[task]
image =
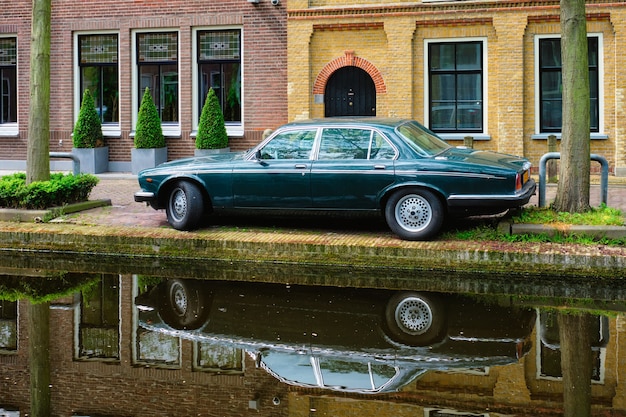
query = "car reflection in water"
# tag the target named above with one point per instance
(365, 341)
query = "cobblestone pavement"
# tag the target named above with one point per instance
(124, 211)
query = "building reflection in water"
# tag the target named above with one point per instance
(127, 345)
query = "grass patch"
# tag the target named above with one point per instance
(486, 229)
(601, 216)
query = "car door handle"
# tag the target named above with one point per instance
(380, 167)
(300, 166)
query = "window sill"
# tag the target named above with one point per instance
(235, 131)
(9, 130)
(544, 136)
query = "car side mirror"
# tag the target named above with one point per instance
(257, 158)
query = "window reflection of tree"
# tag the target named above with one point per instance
(98, 330)
(8, 326)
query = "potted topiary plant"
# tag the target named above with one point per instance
(211, 136)
(150, 149)
(87, 139)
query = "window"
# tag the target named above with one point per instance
(354, 144)
(295, 144)
(8, 85)
(98, 330)
(455, 78)
(157, 62)
(550, 86)
(219, 67)
(8, 326)
(98, 63)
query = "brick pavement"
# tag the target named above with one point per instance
(124, 211)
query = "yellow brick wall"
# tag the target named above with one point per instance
(392, 38)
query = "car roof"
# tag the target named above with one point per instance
(380, 122)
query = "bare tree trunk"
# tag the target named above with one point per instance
(573, 189)
(38, 152)
(576, 363)
(39, 359)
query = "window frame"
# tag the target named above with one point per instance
(459, 134)
(233, 129)
(539, 134)
(12, 128)
(111, 129)
(170, 129)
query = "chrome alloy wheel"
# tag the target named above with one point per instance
(414, 316)
(413, 212)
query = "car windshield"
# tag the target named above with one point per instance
(425, 142)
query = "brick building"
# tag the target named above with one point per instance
(486, 69)
(117, 48)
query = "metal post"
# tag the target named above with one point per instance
(68, 155)
(604, 176)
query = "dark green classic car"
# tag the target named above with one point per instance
(390, 166)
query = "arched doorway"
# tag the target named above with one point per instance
(350, 91)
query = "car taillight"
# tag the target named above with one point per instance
(518, 182)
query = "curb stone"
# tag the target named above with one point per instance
(37, 216)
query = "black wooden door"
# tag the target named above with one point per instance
(350, 91)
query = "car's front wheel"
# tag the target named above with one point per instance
(415, 319)
(184, 305)
(414, 214)
(185, 206)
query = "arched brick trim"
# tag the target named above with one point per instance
(349, 60)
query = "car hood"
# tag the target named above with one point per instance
(483, 158)
(190, 163)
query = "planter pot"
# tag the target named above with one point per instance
(147, 158)
(206, 152)
(92, 160)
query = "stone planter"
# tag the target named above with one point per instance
(92, 160)
(207, 152)
(147, 158)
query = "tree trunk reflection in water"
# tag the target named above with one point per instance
(576, 362)
(39, 358)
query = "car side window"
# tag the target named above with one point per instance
(381, 149)
(344, 143)
(294, 144)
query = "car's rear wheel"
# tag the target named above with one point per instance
(415, 319)
(185, 206)
(414, 214)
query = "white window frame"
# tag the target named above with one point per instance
(232, 129)
(172, 129)
(13, 129)
(108, 129)
(594, 135)
(484, 135)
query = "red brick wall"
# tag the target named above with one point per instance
(264, 63)
(122, 389)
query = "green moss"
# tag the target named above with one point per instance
(149, 133)
(211, 129)
(88, 129)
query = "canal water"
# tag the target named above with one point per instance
(133, 336)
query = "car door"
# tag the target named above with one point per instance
(280, 175)
(353, 165)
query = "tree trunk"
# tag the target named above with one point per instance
(576, 363)
(573, 189)
(38, 149)
(39, 359)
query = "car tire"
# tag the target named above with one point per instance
(184, 306)
(185, 206)
(415, 319)
(414, 214)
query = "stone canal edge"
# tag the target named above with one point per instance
(321, 249)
